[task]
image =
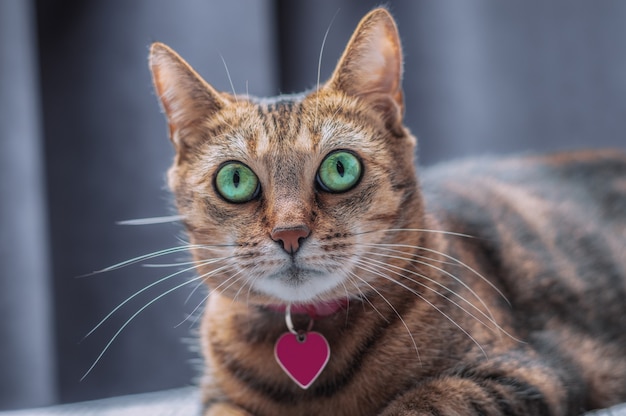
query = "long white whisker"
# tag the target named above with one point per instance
(418, 230)
(452, 301)
(234, 299)
(153, 220)
(408, 330)
(211, 273)
(454, 259)
(391, 250)
(249, 293)
(141, 258)
(137, 293)
(119, 331)
(468, 267)
(319, 65)
(363, 296)
(167, 265)
(218, 287)
(345, 288)
(439, 269)
(193, 313)
(368, 267)
(240, 289)
(155, 254)
(232, 86)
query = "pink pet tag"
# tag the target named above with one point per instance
(302, 355)
(304, 360)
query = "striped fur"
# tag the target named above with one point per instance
(492, 287)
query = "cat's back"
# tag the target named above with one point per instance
(581, 189)
(550, 230)
(550, 233)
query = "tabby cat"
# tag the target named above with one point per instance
(488, 287)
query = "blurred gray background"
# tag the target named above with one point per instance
(83, 145)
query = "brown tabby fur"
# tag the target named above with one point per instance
(524, 314)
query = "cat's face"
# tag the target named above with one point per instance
(283, 198)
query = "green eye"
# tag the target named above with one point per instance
(339, 172)
(236, 182)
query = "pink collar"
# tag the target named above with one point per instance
(315, 310)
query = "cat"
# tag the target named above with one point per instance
(485, 287)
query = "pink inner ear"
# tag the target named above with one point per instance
(379, 68)
(184, 95)
(371, 65)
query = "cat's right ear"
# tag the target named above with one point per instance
(371, 66)
(186, 98)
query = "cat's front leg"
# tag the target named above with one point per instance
(540, 394)
(225, 409)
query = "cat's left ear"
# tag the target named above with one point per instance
(371, 66)
(186, 98)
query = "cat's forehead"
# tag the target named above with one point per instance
(289, 124)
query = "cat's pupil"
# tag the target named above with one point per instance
(236, 179)
(340, 169)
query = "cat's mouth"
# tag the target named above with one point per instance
(296, 275)
(298, 284)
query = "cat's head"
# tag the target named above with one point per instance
(283, 197)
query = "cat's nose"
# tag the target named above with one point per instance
(290, 237)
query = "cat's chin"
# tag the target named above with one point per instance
(301, 286)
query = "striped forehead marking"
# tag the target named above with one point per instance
(282, 127)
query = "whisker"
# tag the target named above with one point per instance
(345, 288)
(319, 65)
(172, 250)
(490, 319)
(369, 266)
(210, 273)
(240, 289)
(249, 293)
(153, 220)
(383, 247)
(153, 255)
(418, 230)
(138, 259)
(234, 298)
(364, 296)
(455, 260)
(193, 313)
(439, 269)
(119, 331)
(468, 267)
(137, 293)
(348, 295)
(166, 265)
(232, 86)
(408, 330)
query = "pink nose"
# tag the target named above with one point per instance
(290, 237)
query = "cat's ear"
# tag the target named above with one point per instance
(371, 66)
(185, 97)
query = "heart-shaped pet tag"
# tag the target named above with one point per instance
(303, 356)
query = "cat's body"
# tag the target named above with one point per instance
(492, 287)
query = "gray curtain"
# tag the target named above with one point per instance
(83, 145)
(26, 340)
(485, 76)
